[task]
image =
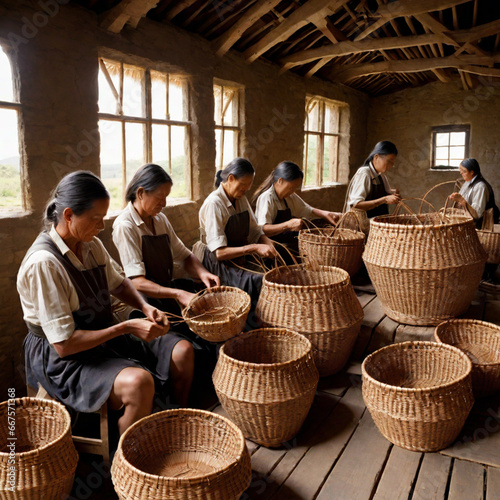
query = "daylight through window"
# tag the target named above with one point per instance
(450, 145)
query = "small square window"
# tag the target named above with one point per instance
(450, 145)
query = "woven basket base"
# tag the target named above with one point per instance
(181, 464)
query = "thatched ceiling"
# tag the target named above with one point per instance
(376, 46)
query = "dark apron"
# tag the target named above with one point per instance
(377, 191)
(236, 230)
(83, 381)
(490, 204)
(287, 238)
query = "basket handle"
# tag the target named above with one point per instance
(434, 187)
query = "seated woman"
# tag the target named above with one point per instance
(229, 230)
(476, 194)
(279, 209)
(73, 349)
(369, 190)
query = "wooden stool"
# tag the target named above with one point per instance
(98, 446)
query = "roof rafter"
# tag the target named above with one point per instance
(127, 11)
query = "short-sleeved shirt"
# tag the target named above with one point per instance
(476, 195)
(48, 297)
(214, 214)
(268, 204)
(361, 185)
(128, 230)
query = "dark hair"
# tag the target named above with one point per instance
(149, 177)
(286, 170)
(382, 148)
(77, 191)
(239, 167)
(472, 165)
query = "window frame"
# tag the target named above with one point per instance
(148, 121)
(238, 90)
(321, 134)
(449, 129)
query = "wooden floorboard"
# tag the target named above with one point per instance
(405, 333)
(492, 483)
(374, 314)
(383, 335)
(467, 481)
(432, 477)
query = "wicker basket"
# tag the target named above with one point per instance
(320, 304)
(337, 247)
(491, 244)
(181, 454)
(419, 394)
(218, 314)
(481, 342)
(45, 458)
(266, 380)
(424, 270)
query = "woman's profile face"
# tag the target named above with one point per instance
(382, 163)
(153, 202)
(237, 188)
(467, 175)
(284, 189)
(90, 223)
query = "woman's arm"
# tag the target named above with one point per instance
(289, 225)
(264, 248)
(461, 200)
(390, 199)
(196, 269)
(331, 217)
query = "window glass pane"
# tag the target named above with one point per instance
(108, 102)
(158, 95)
(230, 146)
(218, 150)
(230, 96)
(330, 159)
(175, 99)
(134, 142)
(457, 152)
(179, 159)
(160, 145)
(10, 177)
(332, 116)
(442, 139)
(217, 105)
(313, 117)
(442, 153)
(6, 88)
(312, 160)
(457, 139)
(455, 163)
(111, 160)
(133, 91)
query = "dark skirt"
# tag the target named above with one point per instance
(84, 381)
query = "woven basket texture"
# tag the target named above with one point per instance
(419, 394)
(332, 247)
(218, 314)
(320, 304)
(45, 457)
(481, 342)
(266, 380)
(491, 244)
(181, 454)
(424, 271)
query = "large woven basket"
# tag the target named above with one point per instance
(481, 342)
(266, 380)
(181, 454)
(337, 247)
(425, 268)
(218, 314)
(419, 394)
(320, 304)
(37, 455)
(491, 244)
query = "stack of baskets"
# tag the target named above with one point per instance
(37, 455)
(318, 303)
(266, 380)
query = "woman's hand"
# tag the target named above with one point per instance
(294, 224)
(147, 330)
(333, 217)
(183, 297)
(392, 199)
(209, 279)
(458, 198)
(265, 251)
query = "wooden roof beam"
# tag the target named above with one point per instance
(296, 20)
(127, 11)
(178, 8)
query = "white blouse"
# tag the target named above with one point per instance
(268, 204)
(361, 184)
(476, 196)
(214, 214)
(48, 297)
(128, 230)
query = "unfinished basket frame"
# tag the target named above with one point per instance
(428, 414)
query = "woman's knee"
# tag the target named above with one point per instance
(183, 352)
(135, 383)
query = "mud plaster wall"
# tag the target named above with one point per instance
(55, 59)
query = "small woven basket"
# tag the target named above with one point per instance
(318, 303)
(419, 394)
(266, 380)
(218, 314)
(481, 342)
(37, 455)
(181, 454)
(491, 244)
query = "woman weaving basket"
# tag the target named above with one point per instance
(73, 349)
(279, 209)
(229, 231)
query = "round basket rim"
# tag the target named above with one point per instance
(478, 322)
(305, 234)
(427, 269)
(484, 231)
(42, 402)
(379, 222)
(416, 343)
(302, 267)
(266, 366)
(180, 412)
